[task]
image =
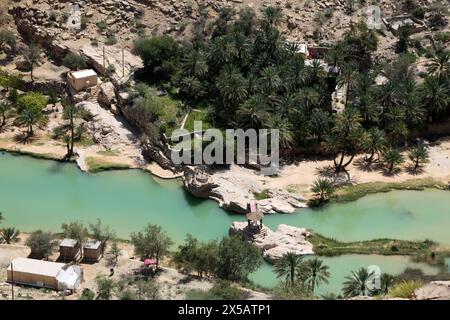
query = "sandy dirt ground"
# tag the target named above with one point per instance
(122, 145)
(301, 176)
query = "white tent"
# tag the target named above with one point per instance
(70, 278)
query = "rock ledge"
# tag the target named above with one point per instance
(277, 243)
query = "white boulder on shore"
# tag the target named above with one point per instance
(277, 243)
(435, 290)
(235, 188)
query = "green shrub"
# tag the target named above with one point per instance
(222, 290)
(65, 17)
(53, 16)
(102, 25)
(418, 13)
(87, 295)
(111, 68)
(84, 22)
(111, 40)
(405, 289)
(8, 37)
(74, 61)
(264, 194)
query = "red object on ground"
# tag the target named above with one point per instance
(149, 262)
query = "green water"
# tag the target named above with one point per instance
(43, 194)
(405, 215)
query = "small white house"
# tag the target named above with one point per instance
(44, 274)
(82, 79)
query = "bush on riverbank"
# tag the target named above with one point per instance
(421, 250)
(354, 192)
(405, 289)
(222, 290)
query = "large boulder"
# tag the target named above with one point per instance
(235, 187)
(107, 94)
(275, 244)
(435, 290)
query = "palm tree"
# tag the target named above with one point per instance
(416, 113)
(392, 157)
(345, 139)
(70, 112)
(272, 15)
(386, 282)
(368, 107)
(357, 283)
(323, 188)
(285, 132)
(29, 117)
(232, 86)
(374, 142)
(270, 80)
(418, 155)
(221, 53)
(289, 266)
(286, 105)
(440, 64)
(348, 80)
(308, 99)
(316, 72)
(9, 235)
(395, 120)
(254, 111)
(316, 273)
(434, 96)
(194, 64)
(388, 95)
(1, 217)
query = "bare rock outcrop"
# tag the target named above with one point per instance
(107, 95)
(234, 188)
(435, 290)
(277, 243)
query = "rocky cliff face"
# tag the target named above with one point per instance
(275, 244)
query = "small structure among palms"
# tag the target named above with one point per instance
(254, 217)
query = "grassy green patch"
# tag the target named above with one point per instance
(86, 141)
(170, 112)
(44, 156)
(352, 193)
(196, 116)
(264, 194)
(97, 165)
(421, 251)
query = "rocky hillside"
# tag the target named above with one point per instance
(316, 22)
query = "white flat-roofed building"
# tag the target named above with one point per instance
(44, 274)
(82, 79)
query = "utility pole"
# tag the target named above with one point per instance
(123, 62)
(12, 281)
